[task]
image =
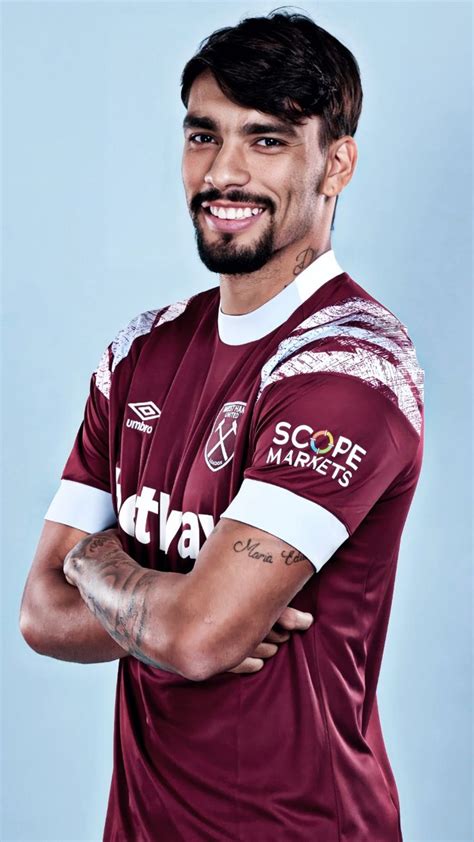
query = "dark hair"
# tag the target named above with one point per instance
(286, 65)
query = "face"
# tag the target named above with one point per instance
(252, 181)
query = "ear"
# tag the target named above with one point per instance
(340, 165)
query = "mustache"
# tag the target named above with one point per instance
(215, 195)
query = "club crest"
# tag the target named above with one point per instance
(220, 445)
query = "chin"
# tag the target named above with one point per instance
(229, 258)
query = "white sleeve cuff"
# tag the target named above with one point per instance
(305, 525)
(82, 506)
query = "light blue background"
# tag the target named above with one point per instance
(96, 230)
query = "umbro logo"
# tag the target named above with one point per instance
(146, 411)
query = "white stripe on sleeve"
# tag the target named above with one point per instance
(305, 525)
(82, 506)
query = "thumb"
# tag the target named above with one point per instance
(294, 620)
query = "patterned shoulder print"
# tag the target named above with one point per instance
(357, 337)
(120, 347)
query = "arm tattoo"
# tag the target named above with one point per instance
(252, 551)
(117, 591)
(289, 556)
(292, 556)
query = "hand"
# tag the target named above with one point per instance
(292, 620)
(74, 561)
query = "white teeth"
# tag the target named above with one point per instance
(234, 213)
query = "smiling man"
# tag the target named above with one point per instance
(248, 457)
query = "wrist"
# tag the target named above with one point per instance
(88, 551)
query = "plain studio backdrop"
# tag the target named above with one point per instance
(96, 230)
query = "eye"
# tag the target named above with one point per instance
(272, 141)
(193, 138)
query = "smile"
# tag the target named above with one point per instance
(230, 217)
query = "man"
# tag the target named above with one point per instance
(264, 438)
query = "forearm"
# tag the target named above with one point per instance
(57, 623)
(137, 607)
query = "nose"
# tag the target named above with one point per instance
(228, 169)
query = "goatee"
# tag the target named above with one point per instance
(228, 258)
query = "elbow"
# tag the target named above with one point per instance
(180, 652)
(36, 618)
(191, 661)
(202, 667)
(200, 671)
(28, 630)
(202, 658)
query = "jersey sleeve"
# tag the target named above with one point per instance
(84, 498)
(323, 449)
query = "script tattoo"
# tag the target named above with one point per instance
(303, 259)
(289, 556)
(252, 552)
(116, 590)
(292, 556)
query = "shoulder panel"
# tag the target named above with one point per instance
(360, 338)
(138, 326)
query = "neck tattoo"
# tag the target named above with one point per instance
(303, 259)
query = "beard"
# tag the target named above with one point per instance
(227, 257)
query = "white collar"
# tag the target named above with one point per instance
(247, 327)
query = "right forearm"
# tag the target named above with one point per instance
(58, 623)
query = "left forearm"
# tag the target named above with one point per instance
(136, 606)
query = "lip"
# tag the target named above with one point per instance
(217, 224)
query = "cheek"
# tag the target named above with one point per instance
(198, 160)
(288, 183)
(293, 202)
(187, 171)
(193, 170)
(301, 197)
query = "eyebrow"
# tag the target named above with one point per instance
(200, 122)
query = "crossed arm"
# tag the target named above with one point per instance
(198, 624)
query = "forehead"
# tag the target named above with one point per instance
(206, 93)
(207, 100)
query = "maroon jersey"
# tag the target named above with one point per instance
(303, 418)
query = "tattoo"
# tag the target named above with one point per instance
(303, 259)
(289, 556)
(252, 551)
(292, 556)
(98, 543)
(117, 590)
(125, 621)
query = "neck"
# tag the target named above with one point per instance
(241, 294)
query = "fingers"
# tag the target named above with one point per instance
(290, 620)
(275, 636)
(294, 620)
(255, 663)
(248, 665)
(265, 649)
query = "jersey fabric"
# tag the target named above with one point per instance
(303, 418)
